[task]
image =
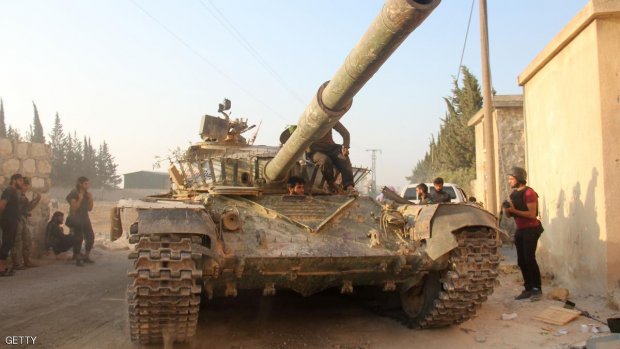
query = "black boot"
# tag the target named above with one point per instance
(79, 261)
(524, 295)
(87, 259)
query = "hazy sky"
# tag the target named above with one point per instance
(139, 74)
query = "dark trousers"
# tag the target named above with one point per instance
(62, 244)
(328, 157)
(9, 230)
(526, 241)
(83, 233)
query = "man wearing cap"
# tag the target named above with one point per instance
(9, 218)
(523, 206)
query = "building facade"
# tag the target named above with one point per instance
(146, 180)
(572, 123)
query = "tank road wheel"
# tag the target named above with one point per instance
(453, 295)
(164, 293)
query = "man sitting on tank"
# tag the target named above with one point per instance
(439, 195)
(296, 186)
(327, 154)
(422, 191)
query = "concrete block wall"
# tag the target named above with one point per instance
(31, 160)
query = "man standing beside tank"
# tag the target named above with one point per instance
(327, 154)
(81, 202)
(9, 217)
(523, 206)
(439, 195)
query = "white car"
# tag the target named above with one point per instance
(456, 193)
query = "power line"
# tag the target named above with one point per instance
(226, 24)
(471, 11)
(206, 60)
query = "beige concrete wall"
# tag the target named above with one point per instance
(566, 165)
(608, 30)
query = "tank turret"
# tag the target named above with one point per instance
(397, 20)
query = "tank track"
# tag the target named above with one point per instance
(164, 294)
(468, 281)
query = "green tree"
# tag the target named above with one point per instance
(453, 155)
(36, 130)
(106, 168)
(14, 135)
(74, 163)
(2, 123)
(58, 145)
(89, 162)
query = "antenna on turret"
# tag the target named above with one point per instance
(251, 141)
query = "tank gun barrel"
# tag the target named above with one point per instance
(395, 22)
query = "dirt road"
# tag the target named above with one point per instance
(69, 307)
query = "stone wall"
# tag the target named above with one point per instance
(31, 160)
(510, 149)
(509, 138)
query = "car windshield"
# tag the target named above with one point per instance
(410, 193)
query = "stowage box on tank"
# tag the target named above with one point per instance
(228, 222)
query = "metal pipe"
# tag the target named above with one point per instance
(395, 22)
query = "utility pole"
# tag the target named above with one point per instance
(489, 143)
(373, 184)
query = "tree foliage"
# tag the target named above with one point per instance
(453, 155)
(2, 123)
(71, 156)
(14, 135)
(36, 129)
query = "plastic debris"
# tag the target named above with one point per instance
(509, 316)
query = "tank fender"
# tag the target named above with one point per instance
(448, 219)
(176, 221)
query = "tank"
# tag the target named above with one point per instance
(228, 223)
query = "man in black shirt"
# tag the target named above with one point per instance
(9, 211)
(439, 195)
(81, 202)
